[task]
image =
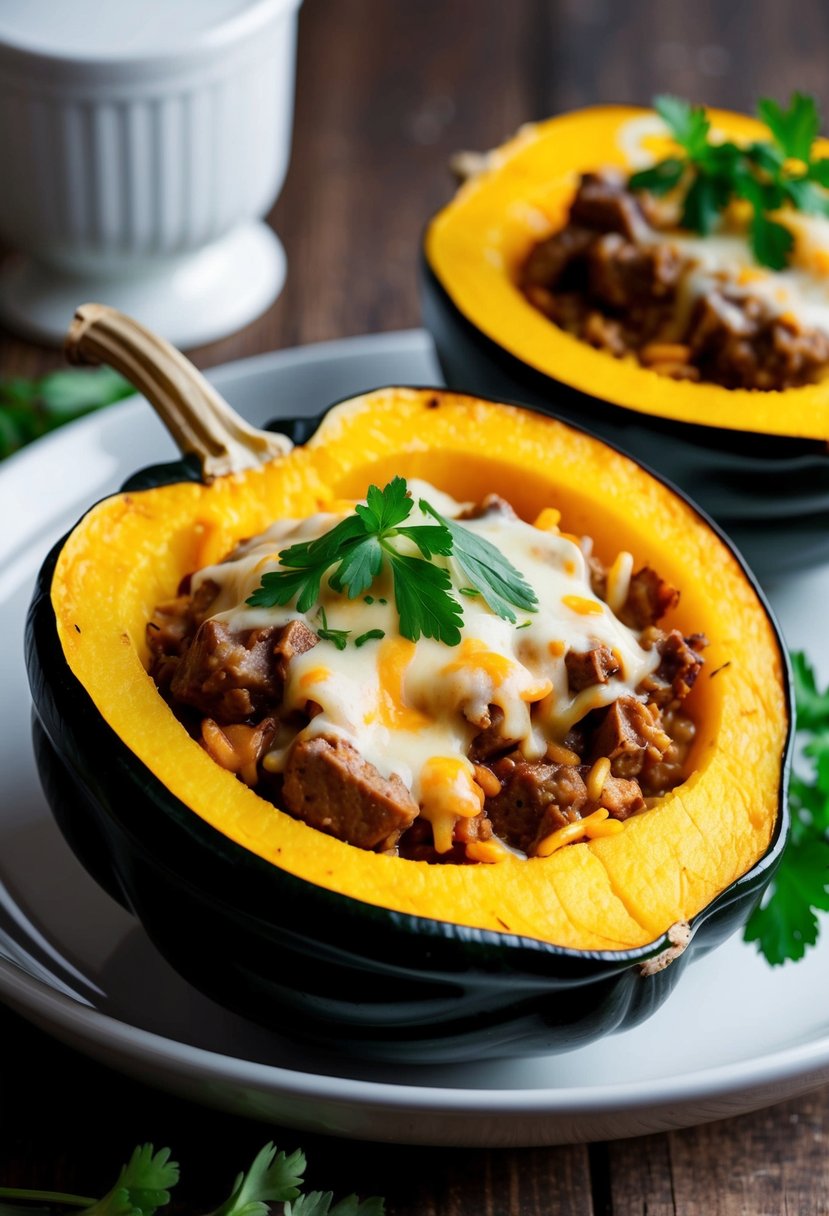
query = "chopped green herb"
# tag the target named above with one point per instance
(524, 625)
(362, 545)
(368, 637)
(766, 174)
(368, 599)
(382, 601)
(470, 591)
(338, 636)
(785, 925)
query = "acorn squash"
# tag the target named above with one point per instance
(756, 460)
(390, 957)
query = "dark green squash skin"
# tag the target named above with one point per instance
(304, 960)
(770, 493)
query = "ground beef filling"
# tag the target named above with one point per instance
(607, 279)
(227, 690)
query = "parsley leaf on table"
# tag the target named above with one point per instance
(31, 408)
(272, 1178)
(318, 1203)
(360, 545)
(785, 925)
(143, 1185)
(766, 173)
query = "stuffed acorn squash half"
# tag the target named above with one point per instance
(500, 819)
(675, 302)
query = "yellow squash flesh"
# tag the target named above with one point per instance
(478, 243)
(131, 550)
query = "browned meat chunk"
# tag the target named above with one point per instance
(679, 667)
(621, 798)
(331, 787)
(491, 740)
(535, 799)
(589, 667)
(649, 598)
(478, 827)
(627, 735)
(549, 261)
(294, 638)
(604, 204)
(739, 343)
(680, 664)
(233, 677)
(174, 622)
(620, 274)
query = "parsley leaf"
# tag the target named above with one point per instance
(386, 508)
(487, 569)
(142, 1186)
(659, 178)
(688, 124)
(703, 203)
(785, 925)
(31, 408)
(812, 705)
(272, 1178)
(761, 172)
(424, 603)
(318, 1203)
(795, 129)
(771, 243)
(360, 546)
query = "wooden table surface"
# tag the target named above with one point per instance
(387, 89)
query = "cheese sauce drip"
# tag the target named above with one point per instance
(413, 708)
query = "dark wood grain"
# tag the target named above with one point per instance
(387, 91)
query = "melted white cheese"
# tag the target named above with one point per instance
(724, 259)
(413, 708)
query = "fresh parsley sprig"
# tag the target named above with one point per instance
(144, 1184)
(766, 174)
(362, 545)
(785, 925)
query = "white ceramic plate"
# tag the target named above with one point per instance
(735, 1036)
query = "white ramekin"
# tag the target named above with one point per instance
(139, 156)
